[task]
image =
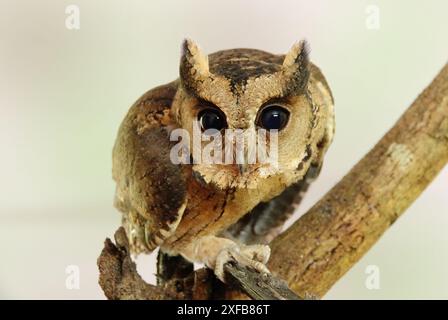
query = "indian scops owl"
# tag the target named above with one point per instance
(211, 213)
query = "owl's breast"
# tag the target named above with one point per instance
(210, 211)
(206, 213)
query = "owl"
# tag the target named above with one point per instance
(212, 213)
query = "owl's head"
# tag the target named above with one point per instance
(249, 93)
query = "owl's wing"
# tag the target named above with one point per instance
(145, 176)
(264, 222)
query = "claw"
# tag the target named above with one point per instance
(253, 256)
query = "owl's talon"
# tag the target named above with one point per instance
(253, 256)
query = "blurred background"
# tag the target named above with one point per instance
(64, 92)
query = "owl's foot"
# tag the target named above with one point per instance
(252, 256)
(215, 252)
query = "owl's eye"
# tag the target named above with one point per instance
(211, 119)
(273, 117)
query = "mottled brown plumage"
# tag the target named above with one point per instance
(212, 212)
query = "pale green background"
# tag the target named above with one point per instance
(63, 94)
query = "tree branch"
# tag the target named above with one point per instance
(334, 234)
(176, 279)
(257, 286)
(118, 274)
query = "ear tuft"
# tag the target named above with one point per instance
(295, 64)
(298, 55)
(193, 63)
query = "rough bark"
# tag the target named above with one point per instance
(257, 286)
(118, 274)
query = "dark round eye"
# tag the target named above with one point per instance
(211, 119)
(273, 117)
